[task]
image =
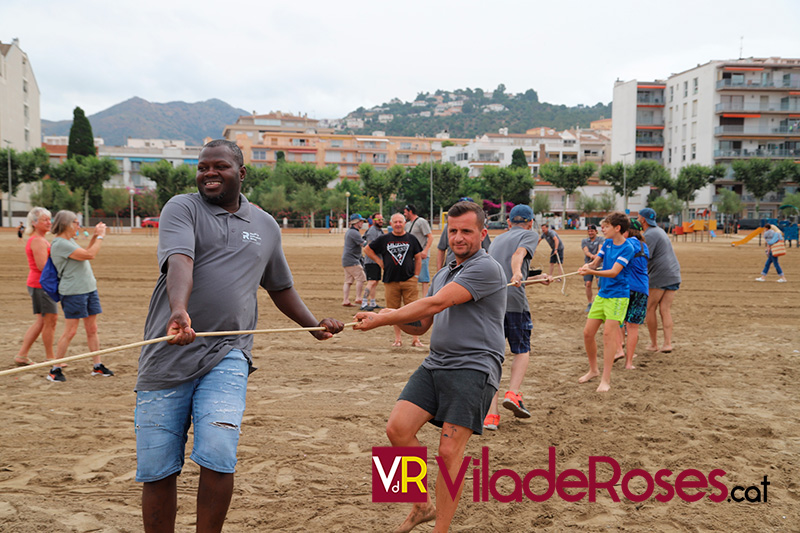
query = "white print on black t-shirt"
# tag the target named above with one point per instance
(398, 251)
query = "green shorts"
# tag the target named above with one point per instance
(609, 309)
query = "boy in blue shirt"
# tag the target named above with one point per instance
(611, 302)
(638, 280)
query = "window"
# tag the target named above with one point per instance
(300, 142)
(694, 86)
(274, 141)
(333, 157)
(405, 146)
(669, 155)
(685, 107)
(403, 159)
(671, 93)
(683, 153)
(463, 156)
(683, 132)
(694, 151)
(308, 158)
(694, 108)
(259, 154)
(685, 89)
(694, 130)
(379, 158)
(336, 143)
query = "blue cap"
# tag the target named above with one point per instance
(649, 216)
(356, 218)
(466, 199)
(521, 213)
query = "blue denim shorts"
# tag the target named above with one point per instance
(424, 272)
(81, 305)
(518, 327)
(214, 403)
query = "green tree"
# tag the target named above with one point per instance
(692, 178)
(54, 196)
(255, 177)
(506, 183)
(26, 167)
(169, 180)
(115, 201)
(318, 178)
(81, 139)
(145, 204)
(87, 173)
(518, 159)
(627, 179)
(567, 177)
(447, 180)
(667, 205)
(541, 204)
(729, 204)
(380, 183)
(586, 204)
(274, 200)
(757, 177)
(792, 200)
(307, 199)
(607, 202)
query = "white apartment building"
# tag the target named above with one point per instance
(715, 113)
(20, 121)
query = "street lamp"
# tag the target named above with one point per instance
(8, 156)
(431, 221)
(625, 183)
(133, 192)
(347, 196)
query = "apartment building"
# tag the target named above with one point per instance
(715, 113)
(20, 123)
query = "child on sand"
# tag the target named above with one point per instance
(637, 304)
(611, 302)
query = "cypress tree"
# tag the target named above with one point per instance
(81, 140)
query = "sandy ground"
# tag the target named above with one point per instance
(725, 398)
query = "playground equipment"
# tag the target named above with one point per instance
(697, 227)
(749, 237)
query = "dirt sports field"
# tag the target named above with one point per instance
(725, 398)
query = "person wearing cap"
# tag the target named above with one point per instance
(664, 272)
(445, 255)
(351, 260)
(514, 250)
(639, 289)
(371, 268)
(590, 246)
(419, 228)
(556, 245)
(399, 254)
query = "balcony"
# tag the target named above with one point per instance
(774, 107)
(650, 141)
(649, 99)
(736, 154)
(649, 121)
(757, 84)
(753, 130)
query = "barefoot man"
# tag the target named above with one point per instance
(454, 385)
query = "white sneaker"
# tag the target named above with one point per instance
(761, 278)
(782, 280)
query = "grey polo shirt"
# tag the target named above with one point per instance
(372, 233)
(663, 268)
(470, 335)
(419, 229)
(76, 276)
(233, 254)
(351, 256)
(502, 249)
(592, 245)
(550, 237)
(444, 244)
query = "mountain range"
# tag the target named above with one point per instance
(141, 119)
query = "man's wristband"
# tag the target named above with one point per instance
(100, 237)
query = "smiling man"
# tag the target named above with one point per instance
(454, 386)
(214, 251)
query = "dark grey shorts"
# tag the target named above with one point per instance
(461, 397)
(42, 303)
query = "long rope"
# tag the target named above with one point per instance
(527, 281)
(52, 362)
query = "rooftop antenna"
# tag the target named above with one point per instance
(741, 46)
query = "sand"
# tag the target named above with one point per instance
(725, 398)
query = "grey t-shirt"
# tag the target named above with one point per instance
(444, 244)
(353, 243)
(372, 233)
(420, 229)
(592, 245)
(76, 276)
(550, 237)
(233, 254)
(502, 249)
(470, 335)
(663, 267)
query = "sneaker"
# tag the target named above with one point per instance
(101, 370)
(782, 280)
(588, 308)
(760, 278)
(491, 422)
(514, 403)
(375, 307)
(56, 374)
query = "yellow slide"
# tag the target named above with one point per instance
(752, 234)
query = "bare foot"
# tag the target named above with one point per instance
(619, 355)
(651, 348)
(589, 375)
(630, 367)
(666, 349)
(603, 387)
(417, 516)
(417, 343)
(397, 343)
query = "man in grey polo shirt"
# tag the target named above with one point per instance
(514, 250)
(351, 260)
(664, 272)
(556, 247)
(419, 228)
(214, 251)
(454, 386)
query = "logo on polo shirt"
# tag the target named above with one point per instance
(248, 236)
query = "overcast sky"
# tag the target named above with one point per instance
(329, 58)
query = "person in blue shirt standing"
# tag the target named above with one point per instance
(637, 303)
(611, 302)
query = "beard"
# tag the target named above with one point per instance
(216, 200)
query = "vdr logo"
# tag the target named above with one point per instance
(399, 474)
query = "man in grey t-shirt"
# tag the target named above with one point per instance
(664, 273)
(454, 386)
(351, 260)
(556, 247)
(514, 250)
(371, 268)
(590, 246)
(214, 251)
(419, 228)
